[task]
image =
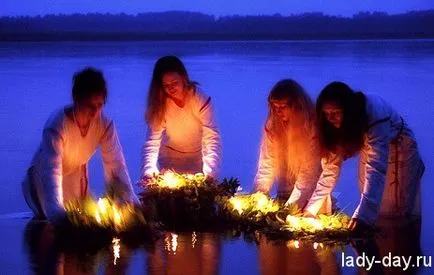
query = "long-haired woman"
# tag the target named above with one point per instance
(390, 167)
(289, 152)
(182, 133)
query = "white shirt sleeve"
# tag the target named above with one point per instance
(307, 178)
(150, 151)
(115, 168)
(266, 165)
(51, 174)
(377, 153)
(331, 169)
(211, 143)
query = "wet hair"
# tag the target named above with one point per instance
(87, 83)
(156, 96)
(349, 138)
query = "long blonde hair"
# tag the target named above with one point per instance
(156, 104)
(294, 141)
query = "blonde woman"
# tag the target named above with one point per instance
(182, 134)
(289, 150)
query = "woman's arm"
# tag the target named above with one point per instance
(307, 178)
(376, 149)
(331, 169)
(266, 165)
(211, 143)
(115, 168)
(150, 151)
(51, 175)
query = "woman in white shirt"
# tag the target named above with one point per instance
(58, 172)
(289, 152)
(182, 134)
(390, 167)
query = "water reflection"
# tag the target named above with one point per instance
(49, 253)
(396, 238)
(297, 257)
(185, 253)
(201, 253)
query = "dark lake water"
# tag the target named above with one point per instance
(35, 79)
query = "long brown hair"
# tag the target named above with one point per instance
(349, 138)
(156, 103)
(292, 140)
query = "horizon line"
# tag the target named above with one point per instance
(215, 16)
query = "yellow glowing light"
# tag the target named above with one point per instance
(103, 205)
(293, 244)
(167, 243)
(294, 222)
(170, 179)
(102, 213)
(116, 249)
(97, 217)
(314, 223)
(300, 223)
(315, 246)
(237, 204)
(117, 218)
(173, 180)
(174, 242)
(255, 202)
(262, 201)
(193, 239)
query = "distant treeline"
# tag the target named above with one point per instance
(192, 25)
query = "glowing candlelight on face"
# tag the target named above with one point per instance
(116, 249)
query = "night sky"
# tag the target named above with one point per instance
(215, 7)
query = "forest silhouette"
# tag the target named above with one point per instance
(182, 25)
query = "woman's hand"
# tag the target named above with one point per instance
(307, 214)
(358, 226)
(147, 177)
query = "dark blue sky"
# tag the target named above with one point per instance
(216, 7)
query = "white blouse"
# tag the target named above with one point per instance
(189, 129)
(64, 152)
(384, 125)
